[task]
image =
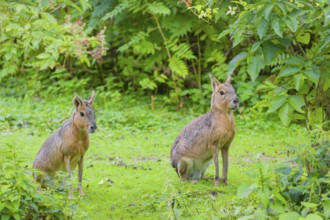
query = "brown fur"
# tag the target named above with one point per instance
(202, 139)
(66, 147)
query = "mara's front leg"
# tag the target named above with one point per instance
(80, 173)
(224, 154)
(68, 169)
(215, 153)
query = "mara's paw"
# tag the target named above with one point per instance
(224, 180)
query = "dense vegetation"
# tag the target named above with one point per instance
(276, 51)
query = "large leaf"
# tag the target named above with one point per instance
(289, 70)
(244, 190)
(298, 81)
(313, 217)
(224, 33)
(277, 102)
(285, 114)
(43, 56)
(178, 66)
(304, 38)
(326, 209)
(269, 51)
(276, 26)
(292, 23)
(296, 61)
(254, 66)
(267, 10)
(289, 216)
(235, 61)
(296, 102)
(262, 28)
(313, 74)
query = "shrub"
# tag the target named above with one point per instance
(20, 197)
(298, 188)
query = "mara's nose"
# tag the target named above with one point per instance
(236, 101)
(93, 127)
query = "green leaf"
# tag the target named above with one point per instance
(267, 10)
(262, 28)
(269, 51)
(244, 190)
(5, 217)
(298, 81)
(313, 74)
(158, 8)
(264, 196)
(277, 102)
(288, 71)
(326, 208)
(326, 41)
(296, 61)
(292, 23)
(315, 116)
(277, 207)
(255, 46)
(48, 17)
(116, 11)
(309, 204)
(296, 102)
(224, 33)
(313, 217)
(326, 84)
(285, 114)
(289, 216)
(304, 38)
(43, 56)
(178, 66)
(254, 66)
(276, 26)
(235, 61)
(85, 5)
(146, 83)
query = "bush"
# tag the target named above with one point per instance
(20, 197)
(297, 188)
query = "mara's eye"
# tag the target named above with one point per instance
(82, 114)
(222, 92)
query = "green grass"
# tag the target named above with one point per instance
(127, 170)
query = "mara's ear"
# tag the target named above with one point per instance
(214, 82)
(91, 99)
(228, 80)
(77, 102)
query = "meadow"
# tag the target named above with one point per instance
(127, 170)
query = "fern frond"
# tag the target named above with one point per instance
(158, 8)
(178, 66)
(182, 50)
(279, 60)
(100, 8)
(178, 26)
(145, 47)
(116, 11)
(134, 40)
